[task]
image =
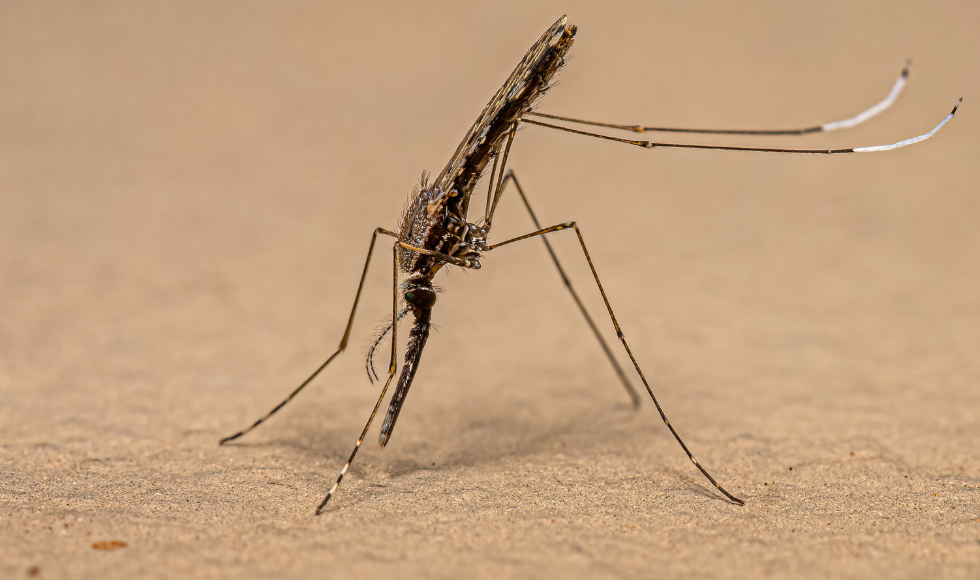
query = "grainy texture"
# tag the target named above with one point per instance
(186, 195)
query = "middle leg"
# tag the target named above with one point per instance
(634, 396)
(622, 339)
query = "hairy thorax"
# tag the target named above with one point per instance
(434, 221)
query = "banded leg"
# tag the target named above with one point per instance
(832, 126)
(343, 342)
(622, 339)
(634, 396)
(391, 374)
(461, 262)
(847, 151)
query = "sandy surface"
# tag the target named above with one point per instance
(186, 197)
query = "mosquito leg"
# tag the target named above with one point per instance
(634, 396)
(343, 342)
(493, 179)
(847, 151)
(391, 374)
(461, 262)
(357, 446)
(832, 126)
(488, 219)
(622, 339)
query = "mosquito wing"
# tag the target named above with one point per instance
(515, 98)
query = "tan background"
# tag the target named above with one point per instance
(187, 191)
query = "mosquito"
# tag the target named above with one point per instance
(435, 232)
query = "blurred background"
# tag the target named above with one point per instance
(187, 192)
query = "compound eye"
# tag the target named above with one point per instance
(421, 298)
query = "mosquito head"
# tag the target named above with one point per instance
(419, 295)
